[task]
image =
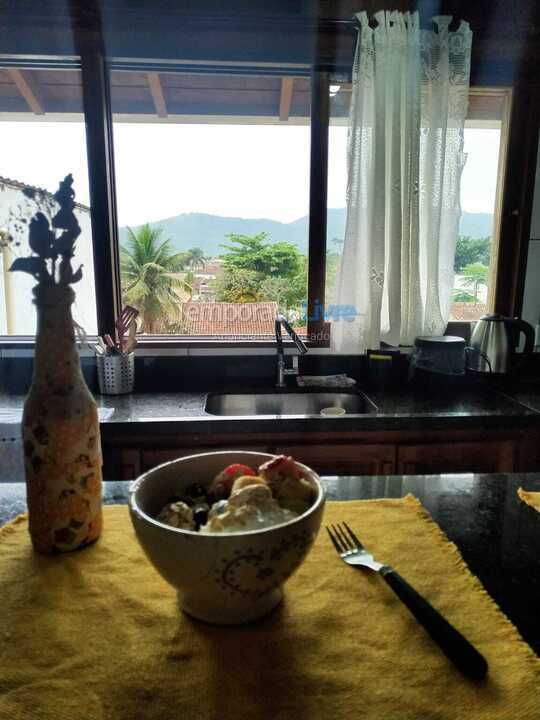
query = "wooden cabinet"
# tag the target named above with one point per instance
(121, 463)
(346, 459)
(352, 453)
(528, 453)
(457, 457)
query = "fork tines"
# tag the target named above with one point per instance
(343, 538)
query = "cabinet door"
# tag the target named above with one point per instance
(528, 454)
(121, 463)
(369, 459)
(460, 457)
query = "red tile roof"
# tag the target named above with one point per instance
(467, 311)
(229, 319)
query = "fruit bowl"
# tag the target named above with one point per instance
(222, 578)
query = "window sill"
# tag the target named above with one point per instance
(318, 340)
(174, 346)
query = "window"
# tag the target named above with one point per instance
(340, 99)
(42, 140)
(477, 246)
(212, 182)
(476, 253)
(212, 179)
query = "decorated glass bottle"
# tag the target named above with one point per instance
(61, 439)
(60, 428)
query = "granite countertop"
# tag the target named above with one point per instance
(407, 409)
(497, 534)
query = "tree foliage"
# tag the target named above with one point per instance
(259, 271)
(460, 295)
(253, 252)
(475, 276)
(471, 250)
(153, 276)
(195, 258)
(332, 266)
(238, 286)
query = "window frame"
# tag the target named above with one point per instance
(95, 69)
(505, 96)
(317, 330)
(514, 207)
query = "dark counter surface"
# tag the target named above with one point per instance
(529, 396)
(433, 408)
(497, 534)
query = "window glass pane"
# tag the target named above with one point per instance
(340, 98)
(212, 174)
(475, 257)
(474, 263)
(42, 139)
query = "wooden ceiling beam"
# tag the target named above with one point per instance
(285, 99)
(158, 97)
(24, 85)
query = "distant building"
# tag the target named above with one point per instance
(204, 278)
(17, 312)
(229, 320)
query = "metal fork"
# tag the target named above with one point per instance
(456, 647)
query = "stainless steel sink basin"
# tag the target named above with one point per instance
(293, 403)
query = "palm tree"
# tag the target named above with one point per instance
(197, 258)
(474, 276)
(152, 276)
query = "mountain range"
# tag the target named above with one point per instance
(208, 231)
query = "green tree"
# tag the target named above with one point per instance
(460, 295)
(197, 258)
(471, 250)
(240, 286)
(152, 276)
(332, 266)
(237, 286)
(475, 276)
(253, 252)
(289, 293)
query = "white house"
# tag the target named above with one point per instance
(17, 312)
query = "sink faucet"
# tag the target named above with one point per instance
(282, 371)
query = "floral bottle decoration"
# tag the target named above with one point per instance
(60, 428)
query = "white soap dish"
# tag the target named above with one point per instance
(333, 411)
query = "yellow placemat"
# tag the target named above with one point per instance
(96, 635)
(531, 498)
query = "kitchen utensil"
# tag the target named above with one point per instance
(456, 647)
(102, 345)
(116, 373)
(131, 333)
(442, 354)
(495, 339)
(111, 345)
(127, 315)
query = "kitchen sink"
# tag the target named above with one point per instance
(293, 403)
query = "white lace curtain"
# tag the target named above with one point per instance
(405, 158)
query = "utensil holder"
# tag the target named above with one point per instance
(116, 373)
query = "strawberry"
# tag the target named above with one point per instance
(223, 482)
(237, 469)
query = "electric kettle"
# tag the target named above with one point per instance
(494, 341)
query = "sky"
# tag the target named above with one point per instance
(257, 171)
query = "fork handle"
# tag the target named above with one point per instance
(456, 647)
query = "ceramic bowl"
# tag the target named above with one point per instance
(222, 578)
